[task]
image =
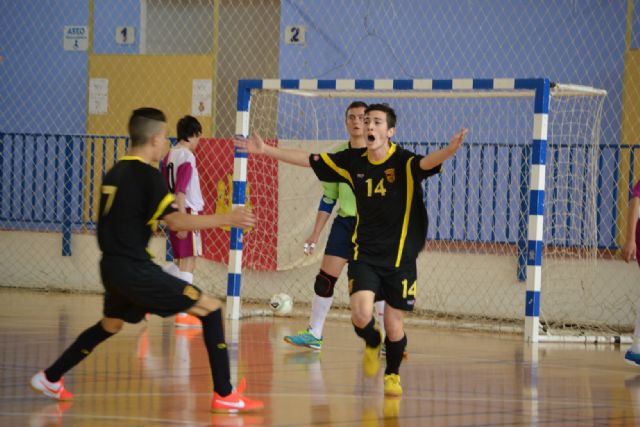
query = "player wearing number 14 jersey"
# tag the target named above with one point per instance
(391, 226)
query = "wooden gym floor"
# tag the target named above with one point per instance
(150, 374)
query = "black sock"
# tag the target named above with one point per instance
(81, 348)
(213, 333)
(369, 333)
(395, 352)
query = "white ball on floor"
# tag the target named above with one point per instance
(281, 304)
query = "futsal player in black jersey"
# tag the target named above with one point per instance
(134, 198)
(391, 227)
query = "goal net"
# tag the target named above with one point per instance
(479, 266)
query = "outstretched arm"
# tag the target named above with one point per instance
(255, 145)
(629, 248)
(239, 217)
(436, 158)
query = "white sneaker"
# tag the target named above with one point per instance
(40, 383)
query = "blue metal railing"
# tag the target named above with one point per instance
(48, 182)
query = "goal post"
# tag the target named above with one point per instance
(499, 181)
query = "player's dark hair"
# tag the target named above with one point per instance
(145, 123)
(354, 104)
(188, 126)
(391, 115)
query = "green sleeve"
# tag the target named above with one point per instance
(330, 190)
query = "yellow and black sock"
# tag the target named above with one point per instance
(395, 352)
(369, 333)
(213, 333)
(81, 348)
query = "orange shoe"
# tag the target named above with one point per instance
(188, 333)
(185, 320)
(235, 401)
(40, 383)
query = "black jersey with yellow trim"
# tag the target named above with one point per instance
(391, 225)
(134, 197)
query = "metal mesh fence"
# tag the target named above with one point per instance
(72, 71)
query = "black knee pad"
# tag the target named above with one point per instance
(324, 284)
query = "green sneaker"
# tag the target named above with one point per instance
(304, 339)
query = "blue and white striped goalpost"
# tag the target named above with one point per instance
(539, 87)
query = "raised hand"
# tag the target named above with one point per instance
(457, 140)
(253, 145)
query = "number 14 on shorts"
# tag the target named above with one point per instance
(408, 290)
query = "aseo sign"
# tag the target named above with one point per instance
(76, 37)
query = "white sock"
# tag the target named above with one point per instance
(186, 276)
(319, 310)
(380, 315)
(172, 269)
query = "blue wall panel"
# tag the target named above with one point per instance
(42, 86)
(109, 14)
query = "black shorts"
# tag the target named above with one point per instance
(339, 242)
(396, 286)
(134, 288)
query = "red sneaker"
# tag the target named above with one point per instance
(235, 401)
(40, 383)
(185, 320)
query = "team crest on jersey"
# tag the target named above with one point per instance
(191, 292)
(391, 175)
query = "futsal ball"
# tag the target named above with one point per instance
(281, 304)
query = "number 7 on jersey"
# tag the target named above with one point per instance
(110, 191)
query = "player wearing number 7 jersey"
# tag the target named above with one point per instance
(134, 198)
(391, 227)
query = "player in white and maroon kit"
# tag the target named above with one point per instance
(181, 175)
